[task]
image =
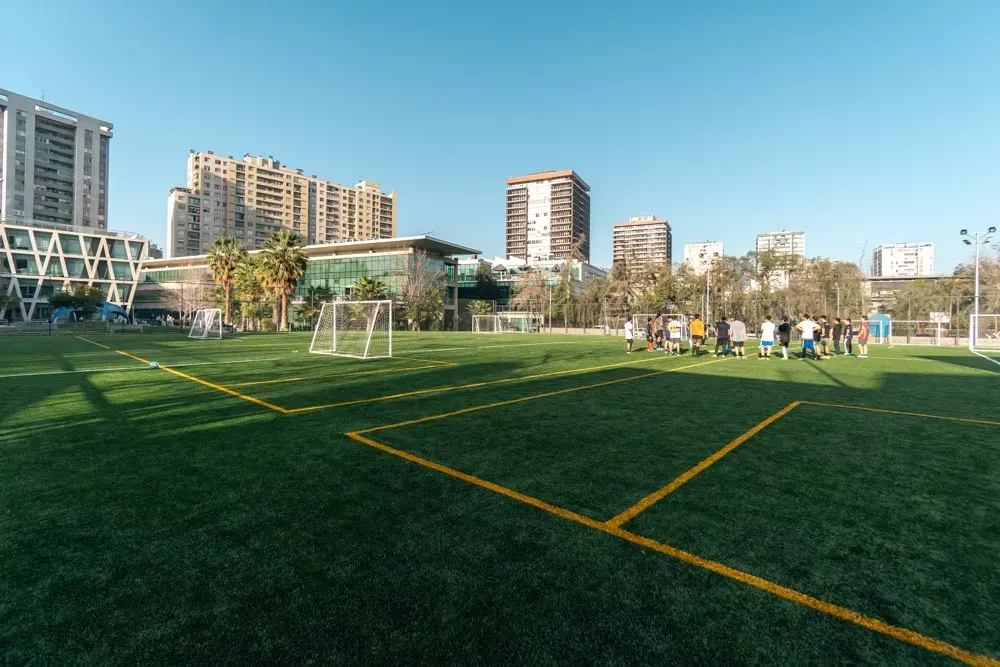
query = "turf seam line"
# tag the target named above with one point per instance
(843, 613)
(966, 420)
(92, 342)
(522, 399)
(691, 473)
(208, 384)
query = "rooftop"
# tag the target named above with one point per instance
(548, 176)
(73, 229)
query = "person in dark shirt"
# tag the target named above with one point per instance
(824, 336)
(784, 337)
(721, 336)
(848, 337)
(838, 334)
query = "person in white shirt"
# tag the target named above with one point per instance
(674, 333)
(629, 334)
(807, 327)
(766, 339)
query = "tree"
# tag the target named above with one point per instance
(10, 303)
(249, 291)
(224, 256)
(370, 289)
(422, 294)
(480, 307)
(83, 298)
(486, 285)
(282, 266)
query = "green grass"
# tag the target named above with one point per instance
(145, 517)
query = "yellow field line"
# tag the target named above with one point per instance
(836, 611)
(533, 397)
(205, 383)
(329, 375)
(92, 342)
(690, 474)
(966, 420)
(474, 385)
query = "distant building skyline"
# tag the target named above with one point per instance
(699, 255)
(901, 260)
(782, 243)
(547, 214)
(644, 239)
(253, 197)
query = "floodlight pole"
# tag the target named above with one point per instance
(980, 239)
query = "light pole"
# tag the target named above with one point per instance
(708, 283)
(978, 239)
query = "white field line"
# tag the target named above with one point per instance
(491, 347)
(980, 354)
(133, 367)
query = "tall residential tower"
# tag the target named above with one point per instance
(903, 260)
(783, 243)
(254, 197)
(547, 214)
(53, 164)
(644, 239)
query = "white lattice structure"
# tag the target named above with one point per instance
(487, 324)
(361, 329)
(40, 259)
(206, 323)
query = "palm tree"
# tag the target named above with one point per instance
(224, 256)
(369, 289)
(283, 265)
(249, 291)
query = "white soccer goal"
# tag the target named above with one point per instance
(639, 320)
(512, 322)
(361, 329)
(206, 323)
(984, 333)
(486, 324)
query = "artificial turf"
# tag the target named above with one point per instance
(149, 517)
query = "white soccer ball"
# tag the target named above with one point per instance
(153, 364)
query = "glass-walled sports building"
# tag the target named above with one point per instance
(38, 259)
(180, 285)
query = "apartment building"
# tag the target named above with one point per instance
(253, 197)
(547, 214)
(783, 243)
(53, 164)
(903, 260)
(699, 256)
(644, 239)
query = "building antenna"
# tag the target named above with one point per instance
(43, 94)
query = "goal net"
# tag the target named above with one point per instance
(360, 329)
(206, 323)
(519, 322)
(984, 333)
(918, 332)
(487, 324)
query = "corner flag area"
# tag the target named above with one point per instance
(515, 498)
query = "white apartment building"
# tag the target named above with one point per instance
(254, 197)
(644, 239)
(53, 164)
(783, 243)
(699, 256)
(902, 260)
(547, 214)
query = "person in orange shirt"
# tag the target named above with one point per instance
(697, 327)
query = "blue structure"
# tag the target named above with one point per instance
(109, 313)
(880, 325)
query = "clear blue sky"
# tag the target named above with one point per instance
(860, 122)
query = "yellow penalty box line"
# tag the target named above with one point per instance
(836, 611)
(205, 383)
(487, 383)
(693, 472)
(92, 342)
(533, 397)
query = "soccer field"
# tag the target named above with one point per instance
(504, 499)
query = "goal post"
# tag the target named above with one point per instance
(359, 329)
(984, 333)
(206, 323)
(486, 324)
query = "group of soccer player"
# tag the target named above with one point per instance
(818, 337)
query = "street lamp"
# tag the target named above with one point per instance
(708, 283)
(977, 239)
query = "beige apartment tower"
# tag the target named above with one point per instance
(547, 214)
(254, 197)
(644, 239)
